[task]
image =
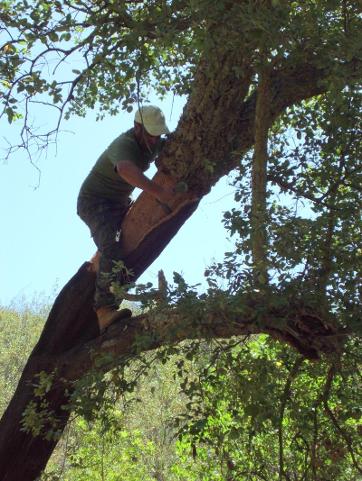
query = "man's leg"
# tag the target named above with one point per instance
(109, 245)
(104, 219)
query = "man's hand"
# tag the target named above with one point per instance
(134, 176)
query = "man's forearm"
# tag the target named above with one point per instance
(135, 177)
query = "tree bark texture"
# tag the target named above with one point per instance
(215, 130)
(259, 184)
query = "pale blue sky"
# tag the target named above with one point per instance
(43, 242)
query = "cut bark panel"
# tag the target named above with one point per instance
(146, 214)
(147, 228)
(156, 239)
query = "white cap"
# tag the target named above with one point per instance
(152, 119)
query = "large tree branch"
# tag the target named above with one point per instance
(227, 121)
(303, 328)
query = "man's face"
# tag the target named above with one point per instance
(146, 140)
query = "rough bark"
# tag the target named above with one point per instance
(259, 184)
(216, 128)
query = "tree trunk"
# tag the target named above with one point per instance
(216, 128)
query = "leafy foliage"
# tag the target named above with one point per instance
(282, 427)
(249, 409)
(21, 325)
(314, 221)
(120, 50)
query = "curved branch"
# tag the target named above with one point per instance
(170, 326)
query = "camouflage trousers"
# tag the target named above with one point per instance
(104, 219)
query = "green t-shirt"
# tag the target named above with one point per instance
(104, 182)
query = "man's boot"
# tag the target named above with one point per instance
(107, 316)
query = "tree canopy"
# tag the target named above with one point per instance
(73, 56)
(273, 100)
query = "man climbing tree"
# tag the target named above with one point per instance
(273, 98)
(104, 199)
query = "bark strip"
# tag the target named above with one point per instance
(259, 183)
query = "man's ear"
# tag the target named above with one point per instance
(139, 130)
